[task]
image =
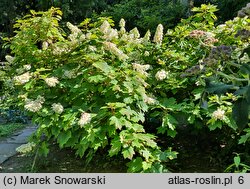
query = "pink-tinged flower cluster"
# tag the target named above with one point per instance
(197, 33)
(85, 119)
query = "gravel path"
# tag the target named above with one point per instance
(8, 145)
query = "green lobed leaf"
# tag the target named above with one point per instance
(240, 113)
(215, 125)
(146, 165)
(63, 137)
(135, 165)
(128, 152)
(44, 150)
(237, 161)
(116, 121)
(244, 138)
(102, 66)
(115, 146)
(217, 87)
(146, 154)
(96, 78)
(169, 121)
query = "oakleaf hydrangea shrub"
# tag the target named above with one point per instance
(202, 76)
(93, 86)
(87, 89)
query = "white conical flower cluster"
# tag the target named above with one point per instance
(109, 33)
(147, 36)
(57, 108)
(51, 81)
(22, 79)
(149, 100)
(141, 68)
(113, 49)
(122, 23)
(34, 105)
(85, 119)
(161, 75)
(219, 114)
(134, 33)
(105, 27)
(69, 74)
(76, 34)
(158, 34)
(73, 29)
(27, 67)
(9, 58)
(45, 45)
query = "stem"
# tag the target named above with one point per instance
(34, 161)
(234, 64)
(231, 77)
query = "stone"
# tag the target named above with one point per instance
(7, 150)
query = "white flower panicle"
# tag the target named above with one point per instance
(149, 100)
(69, 74)
(22, 79)
(122, 23)
(27, 67)
(88, 35)
(57, 108)
(111, 34)
(9, 58)
(141, 68)
(147, 36)
(82, 37)
(85, 119)
(34, 105)
(135, 33)
(45, 45)
(58, 50)
(113, 49)
(51, 81)
(26, 148)
(73, 29)
(161, 75)
(105, 27)
(158, 34)
(122, 31)
(218, 114)
(92, 48)
(146, 53)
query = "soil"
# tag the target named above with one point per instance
(190, 160)
(63, 161)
